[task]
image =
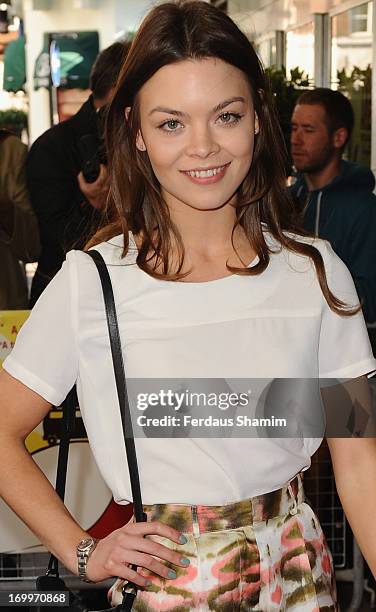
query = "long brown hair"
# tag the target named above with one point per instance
(172, 32)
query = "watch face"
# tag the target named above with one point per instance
(85, 544)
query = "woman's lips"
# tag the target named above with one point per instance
(206, 177)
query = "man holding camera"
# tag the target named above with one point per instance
(66, 173)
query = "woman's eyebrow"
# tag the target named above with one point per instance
(227, 102)
(177, 113)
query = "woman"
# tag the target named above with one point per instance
(211, 281)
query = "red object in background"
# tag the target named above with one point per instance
(114, 517)
(69, 101)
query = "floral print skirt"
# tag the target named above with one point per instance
(267, 553)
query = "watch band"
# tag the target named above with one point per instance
(84, 550)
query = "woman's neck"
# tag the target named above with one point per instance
(209, 245)
(208, 250)
(206, 233)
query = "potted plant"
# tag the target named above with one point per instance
(286, 91)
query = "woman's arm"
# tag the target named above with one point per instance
(28, 492)
(23, 485)
(354, 464)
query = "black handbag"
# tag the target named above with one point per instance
(51, 581)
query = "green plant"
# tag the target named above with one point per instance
(356, 79)
(286, 90)
(357, 86)
(13, 120)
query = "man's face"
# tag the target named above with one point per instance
(312, 145)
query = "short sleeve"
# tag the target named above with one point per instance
(45, 357)
(344, 350)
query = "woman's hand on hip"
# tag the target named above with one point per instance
(129, 546)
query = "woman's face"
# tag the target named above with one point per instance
(197, 126)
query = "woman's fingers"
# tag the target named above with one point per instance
(144, 545)
(154, 528)
(129, 544)
(150, 563)
(123, 571)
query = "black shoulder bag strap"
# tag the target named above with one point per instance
(69, 408)
(121, 387)
(121, 383)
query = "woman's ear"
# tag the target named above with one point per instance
(140, 142)
(257, 125)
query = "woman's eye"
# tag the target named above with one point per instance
(230, 118)
(170, 126)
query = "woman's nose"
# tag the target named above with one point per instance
(202, 143)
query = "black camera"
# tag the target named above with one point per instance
(91, 148)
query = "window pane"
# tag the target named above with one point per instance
(352, 73)
(300, 49)
(267, 52)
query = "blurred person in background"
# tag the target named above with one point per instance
(19, 235)
(68, 205)
(335, 196)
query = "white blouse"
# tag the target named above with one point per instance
(235, 330)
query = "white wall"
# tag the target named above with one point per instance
(61, 16)
(259, 16)
(109, 18)
(129, 13)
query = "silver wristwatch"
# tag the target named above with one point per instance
(84, 550)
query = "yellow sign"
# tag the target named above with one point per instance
(10, 323)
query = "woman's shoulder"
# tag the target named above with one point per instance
(290, 263)
(111, 251)
(295, 257)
